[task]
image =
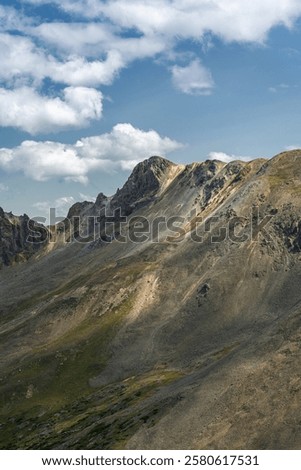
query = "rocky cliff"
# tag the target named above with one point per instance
(20, 238)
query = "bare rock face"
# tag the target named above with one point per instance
(174, 342)
(20, 238)
(142, 185)
(78, 208)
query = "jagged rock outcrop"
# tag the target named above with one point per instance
(78, 209)
(20, 238)
(143, 185)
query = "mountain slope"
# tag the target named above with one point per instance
(109, 344)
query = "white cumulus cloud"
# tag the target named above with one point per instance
(125, 143)
(122, 148)
(97, 39)
(194, 79)
(26, 109)
(231, 20)
(21, 59)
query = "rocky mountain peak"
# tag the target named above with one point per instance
(149, 173)
(78, 208)
(143, 184)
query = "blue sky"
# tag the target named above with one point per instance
(88, 88)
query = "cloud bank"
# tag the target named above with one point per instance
(96, 39)
(189, 18)
(122, 148)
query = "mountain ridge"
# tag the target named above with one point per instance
(107, 344)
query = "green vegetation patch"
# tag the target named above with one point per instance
(103, 419)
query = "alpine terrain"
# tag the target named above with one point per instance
(167, 316)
